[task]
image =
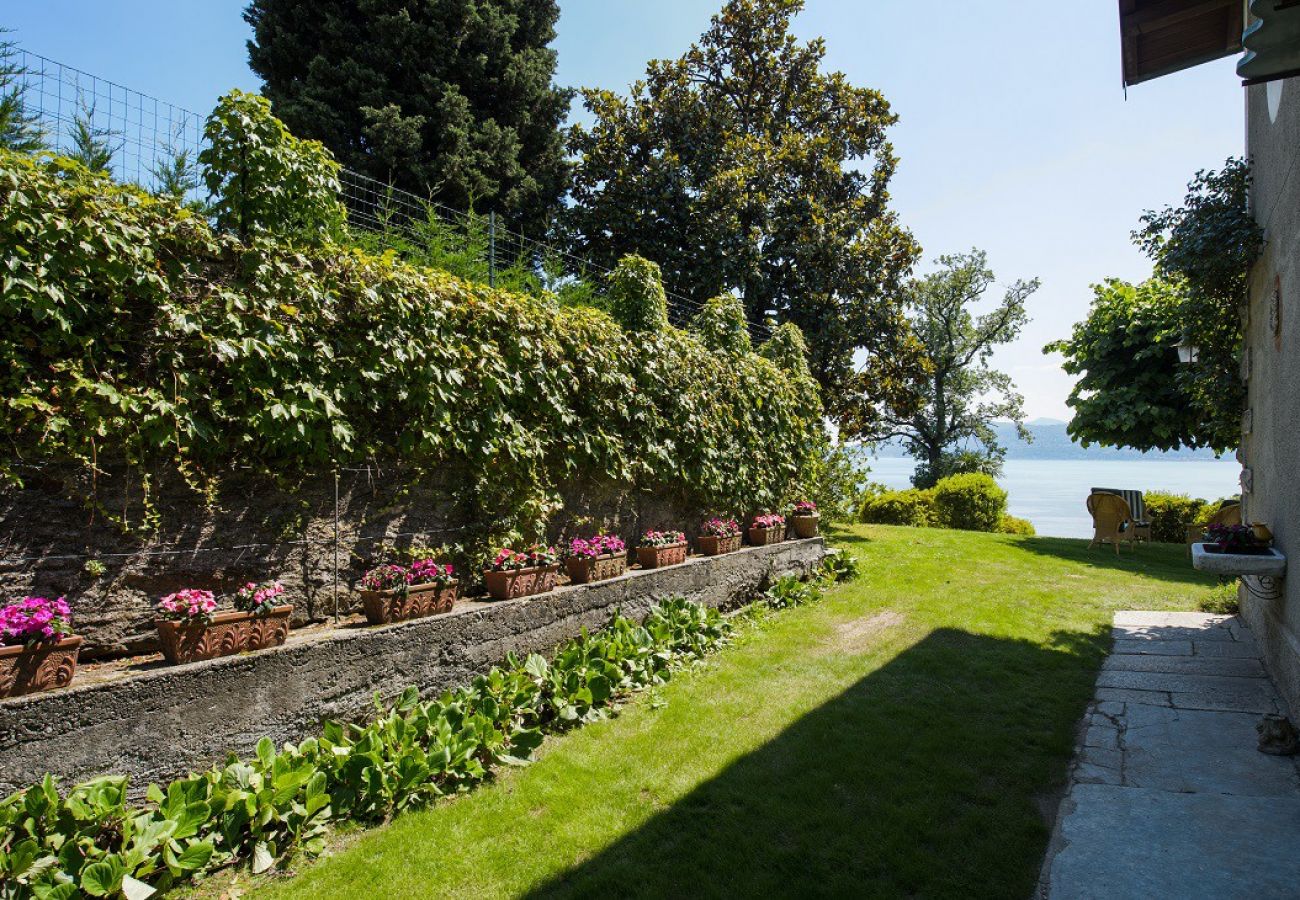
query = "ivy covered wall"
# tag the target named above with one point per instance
(156, 366)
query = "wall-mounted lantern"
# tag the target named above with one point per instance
(1188, 352)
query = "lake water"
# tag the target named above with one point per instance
(1051, 493)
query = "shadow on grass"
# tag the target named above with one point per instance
(934, 775)
(1166, 562)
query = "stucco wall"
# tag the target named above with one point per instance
(1271, 439)
(165, 722)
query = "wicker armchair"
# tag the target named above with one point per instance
(1111, 520)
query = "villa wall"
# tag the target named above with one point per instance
(159, 722)
(1271, 365)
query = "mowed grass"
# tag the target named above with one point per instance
(905, 737)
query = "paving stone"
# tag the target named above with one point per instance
(1189, 684)
(1245, 649)
(1121, 842)
(1121, 695)
(1102, 736)
(1165, 619)
(1235, 667)
(1169, 797)
(1196, 750)
(1227, 702)
(1110, 708)
(1171, 648)
(1169, 633)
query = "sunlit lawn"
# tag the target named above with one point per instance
(905, 737)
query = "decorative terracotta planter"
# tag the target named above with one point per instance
(761, 536)
(716, 546)
(586, 569)
(521, 582)
(805, 526)
(40, 667)
(227, 634)
(659, 557)
(416, 602)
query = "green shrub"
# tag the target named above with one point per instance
(277, 805)
(1225, 599)
(1014, 525)
(910, 507)
(1170, 514)
(971, 502)
(636, 295)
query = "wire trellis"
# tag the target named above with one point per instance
(153, 143)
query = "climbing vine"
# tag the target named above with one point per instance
(133, 332)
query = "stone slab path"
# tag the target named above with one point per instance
(1168, 796)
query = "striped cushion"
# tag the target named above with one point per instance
(1134, 501)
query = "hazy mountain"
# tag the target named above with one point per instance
(1052, 442)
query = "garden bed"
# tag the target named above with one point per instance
(152, 722)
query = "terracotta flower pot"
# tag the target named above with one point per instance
(416, 602)
(40, 667)
(515, 583)
(805, 526)
(586, 569)
(659, 557)
(227, 634)
(762, 536)
(716, 546)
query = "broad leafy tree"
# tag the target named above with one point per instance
(1129, 392)
(745, 166)
(1133, 392)
(951, 433)
(448, 99)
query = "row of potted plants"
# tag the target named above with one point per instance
(39, 652)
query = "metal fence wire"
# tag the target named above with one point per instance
(153, 143)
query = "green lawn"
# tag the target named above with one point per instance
(906, 736)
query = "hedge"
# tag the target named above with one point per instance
(132, 331)
(973, 502)
(1170, 514)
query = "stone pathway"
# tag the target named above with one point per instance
(1168, 796)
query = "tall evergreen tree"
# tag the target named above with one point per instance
(449, 99)
(745, 166)
(20, 129)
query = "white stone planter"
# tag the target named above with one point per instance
(1270, 565)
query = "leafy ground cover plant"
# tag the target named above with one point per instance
(720, 528)
(277, 805)
(187, 605)
(654, 538)
(33, 620)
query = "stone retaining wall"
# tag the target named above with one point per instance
(162, 723)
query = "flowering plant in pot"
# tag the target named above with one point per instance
(521, 573)
(395, 593)
(718, 535)
(1234, 539)
(191, 627)
(767, 528)
(38, 650)
(661, 548)
(805, 516)
(268, 616)
(595, 558)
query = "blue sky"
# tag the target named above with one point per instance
(1014, 135)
